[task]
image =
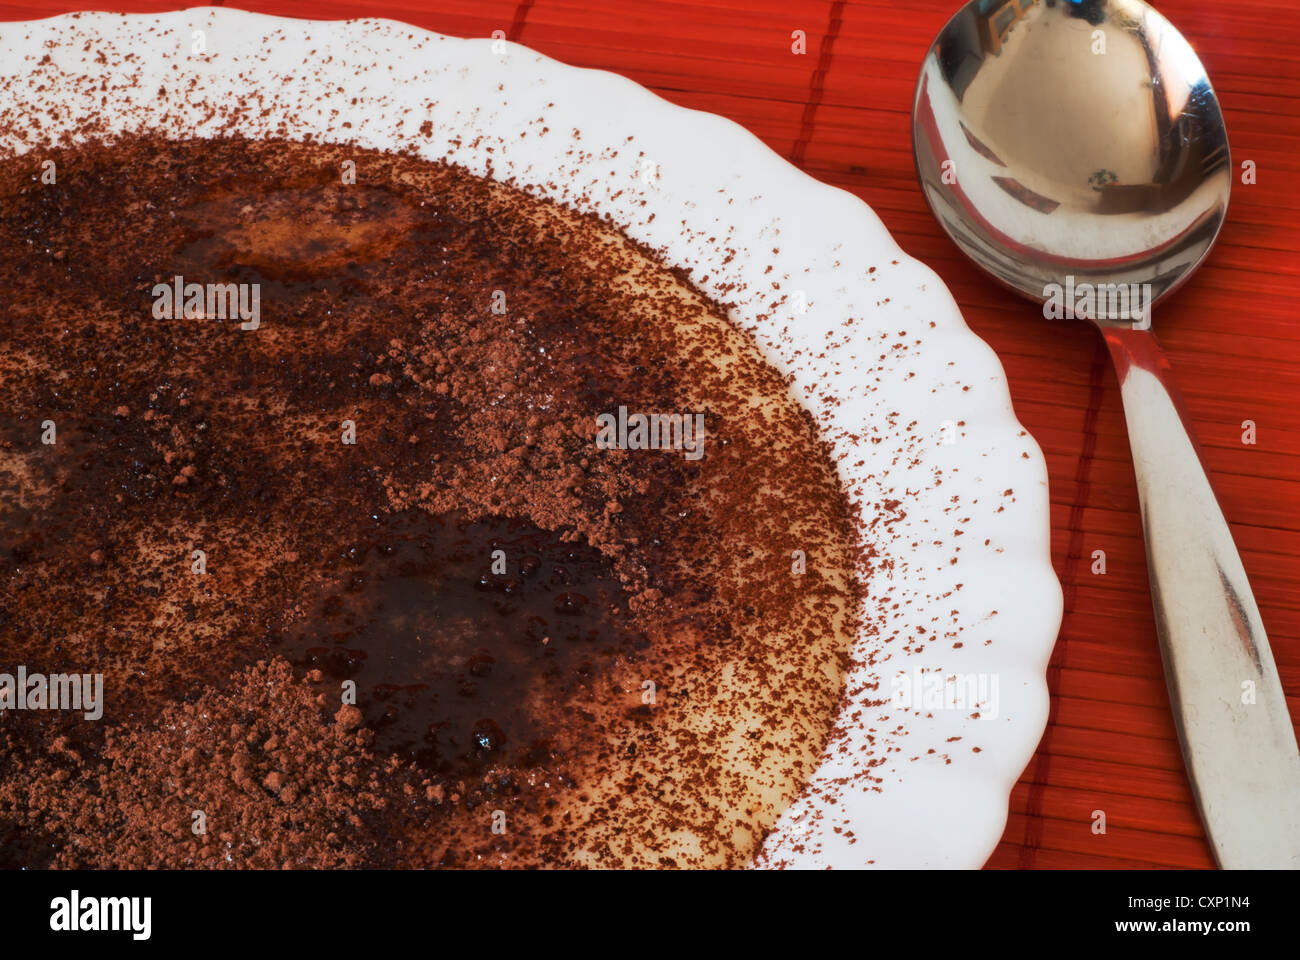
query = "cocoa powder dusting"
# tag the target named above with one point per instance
(469, 638)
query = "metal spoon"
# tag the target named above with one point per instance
(1076, 152)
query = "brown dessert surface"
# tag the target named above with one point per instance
(644, 674)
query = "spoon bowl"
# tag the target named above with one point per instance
(1072, 143)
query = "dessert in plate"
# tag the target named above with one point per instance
(440, 456)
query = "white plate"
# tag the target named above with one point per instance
(873, 342)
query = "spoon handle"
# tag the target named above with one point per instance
(1236, 732)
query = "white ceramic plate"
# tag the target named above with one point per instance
(915, 405)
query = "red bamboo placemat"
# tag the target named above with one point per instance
(840, 110)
